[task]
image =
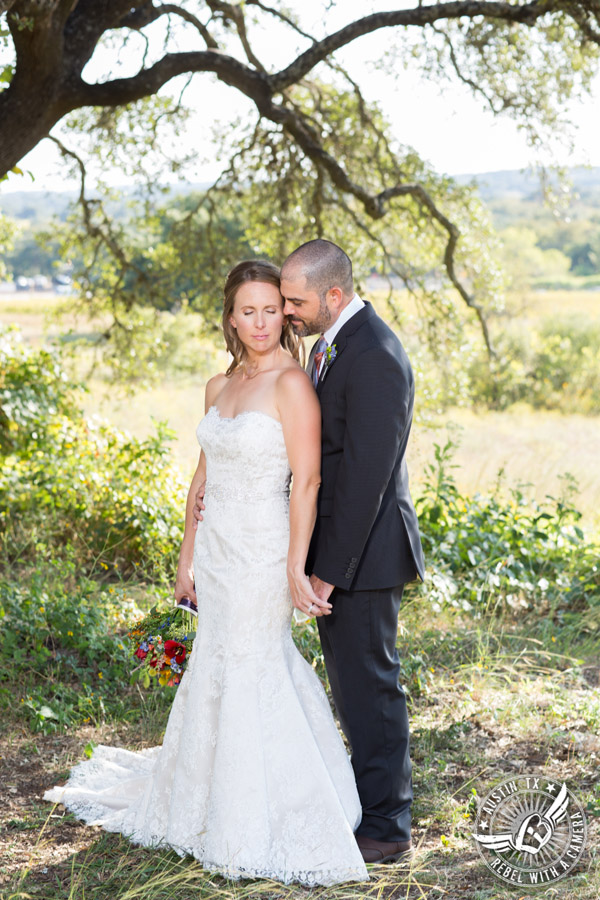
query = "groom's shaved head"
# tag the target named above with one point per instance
(323, 264)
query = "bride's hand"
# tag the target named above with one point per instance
(184, 585)
(304, 597)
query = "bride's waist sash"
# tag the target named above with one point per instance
(243, 493)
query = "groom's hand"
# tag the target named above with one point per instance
(322, 589)
(304, 597)
(199, 504)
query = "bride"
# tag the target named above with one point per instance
(252, 778)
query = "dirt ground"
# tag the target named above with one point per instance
(45, 851)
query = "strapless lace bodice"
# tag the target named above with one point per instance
(246, 457)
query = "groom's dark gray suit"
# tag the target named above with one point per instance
(366, 542)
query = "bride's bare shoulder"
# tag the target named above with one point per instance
(291, 373)
(214, 386)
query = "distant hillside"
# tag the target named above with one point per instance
(496, 189)
(514, 198)
(526, 185)
(39, 207)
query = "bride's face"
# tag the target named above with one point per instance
(258, 316)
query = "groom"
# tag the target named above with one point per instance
(365, 546)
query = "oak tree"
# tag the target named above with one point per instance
(320, 159)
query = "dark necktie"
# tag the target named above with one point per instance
(321, 347)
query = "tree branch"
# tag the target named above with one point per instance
(420, 194)
(236, 15)
(476, 88)
(419, 16)
(585, 19)
(375, 204)
(138, 19)
(282, 17)
(148, 81)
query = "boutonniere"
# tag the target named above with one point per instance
(330, 356)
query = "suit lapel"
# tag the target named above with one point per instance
(345, 332)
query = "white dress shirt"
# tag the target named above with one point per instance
(348, 311)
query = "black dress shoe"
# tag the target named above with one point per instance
(383, 851)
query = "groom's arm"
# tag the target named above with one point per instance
(379, 393)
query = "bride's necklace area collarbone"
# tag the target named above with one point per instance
(247, 374)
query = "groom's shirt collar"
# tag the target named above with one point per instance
(348, 311)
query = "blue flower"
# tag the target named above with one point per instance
(144, 645)
(330, 354)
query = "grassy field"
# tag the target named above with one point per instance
(488, 700)
(534, 447)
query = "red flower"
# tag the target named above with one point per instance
(175, 649)
(141, 654)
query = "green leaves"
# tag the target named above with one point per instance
(112, 501)
(505, 551)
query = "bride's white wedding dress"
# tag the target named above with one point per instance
(252, 778)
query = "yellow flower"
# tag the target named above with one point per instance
(69, 634)
(100, 675)
(42, 609)
(553, 639)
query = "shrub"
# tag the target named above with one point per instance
(65, 482)
(555, 368)
(495, 553)
(63, 648)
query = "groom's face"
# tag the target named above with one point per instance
(307, 311)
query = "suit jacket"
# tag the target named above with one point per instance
(366, 535)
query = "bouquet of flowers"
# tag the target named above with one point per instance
(161, 644)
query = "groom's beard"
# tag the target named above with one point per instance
(319, 325)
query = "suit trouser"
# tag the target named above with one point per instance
(359, 646)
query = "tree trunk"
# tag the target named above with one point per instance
(31, 114)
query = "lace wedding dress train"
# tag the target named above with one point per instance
(252, 778)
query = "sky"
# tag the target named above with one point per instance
(445, 124)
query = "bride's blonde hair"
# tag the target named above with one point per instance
(266, 273)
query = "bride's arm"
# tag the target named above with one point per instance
(300, 415)
(184, 583)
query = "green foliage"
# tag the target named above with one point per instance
(63, 646)
(33, 256)
(525, 260)
(68, 485)
(7, 235)
(499, 553)
(526, 73)
(165, 255)
(34, 391)
(557, 367)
